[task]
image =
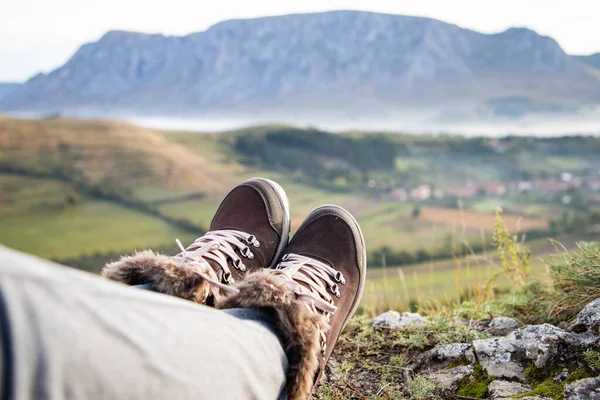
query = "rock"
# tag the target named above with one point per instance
(544, 345)
(450, 378)
(499, 389)
(441, 356)
(394, 319)
(454, 352)
(588, 319)
(561, 376)
(584, 389)
(501, 326)
(332, 366)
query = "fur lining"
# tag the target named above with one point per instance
(163, 273)
(297, 327)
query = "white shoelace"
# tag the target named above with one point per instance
(220, 247)
(312, 281)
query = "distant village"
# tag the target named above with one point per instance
(550, 187)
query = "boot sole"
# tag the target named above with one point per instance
(285, 205)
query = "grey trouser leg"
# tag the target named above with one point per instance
(66, 334)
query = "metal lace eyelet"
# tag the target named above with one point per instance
(238, 264)
(285, 257)
(247, 253)
(335, 289)
(340, 278)
(253, 241)
(226, 277)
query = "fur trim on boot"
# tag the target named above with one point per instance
(163, 273)
(296, 325)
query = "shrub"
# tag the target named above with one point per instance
(592, 359)
(575, 280)
(421, 388)
(514, 255)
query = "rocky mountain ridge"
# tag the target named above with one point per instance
(332, 63)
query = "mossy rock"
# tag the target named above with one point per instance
(476, 385)
(542, 380)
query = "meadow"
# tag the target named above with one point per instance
(85, 191)
(447, 281)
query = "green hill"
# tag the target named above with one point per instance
(72, 188)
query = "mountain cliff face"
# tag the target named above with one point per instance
(6, 88)
(329, 61)
(592, 60)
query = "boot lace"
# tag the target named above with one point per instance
(224, 247)
(314, 283)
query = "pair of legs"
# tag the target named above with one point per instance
(281, 307)
(68, 334)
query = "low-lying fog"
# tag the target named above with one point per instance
(584, 123)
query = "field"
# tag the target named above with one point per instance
(90, 227)
(70, 189)
(402, 288)
(479, 221)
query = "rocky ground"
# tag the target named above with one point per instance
(406, 356)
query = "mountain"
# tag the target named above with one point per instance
(592, 60)
(7, 87)
(336, 64)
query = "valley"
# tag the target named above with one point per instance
(83, 192)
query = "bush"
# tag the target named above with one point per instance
(514, 256)
(421, 388)
(575, 280)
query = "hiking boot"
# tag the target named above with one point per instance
(314, 291)
(248, 233)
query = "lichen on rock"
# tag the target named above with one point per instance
(543, 345)
(394, 319)
(588, 320)
(584, 389)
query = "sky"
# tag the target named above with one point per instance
(40, 35)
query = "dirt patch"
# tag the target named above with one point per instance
(469, 220)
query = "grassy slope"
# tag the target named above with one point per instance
(157, 165)
(123, 155)
(36, 214)
(384, 222)
(89, 227)
(446, 281)
(384, 363)
(400, 288)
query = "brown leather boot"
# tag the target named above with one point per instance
(314, 291)
(248, 233)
